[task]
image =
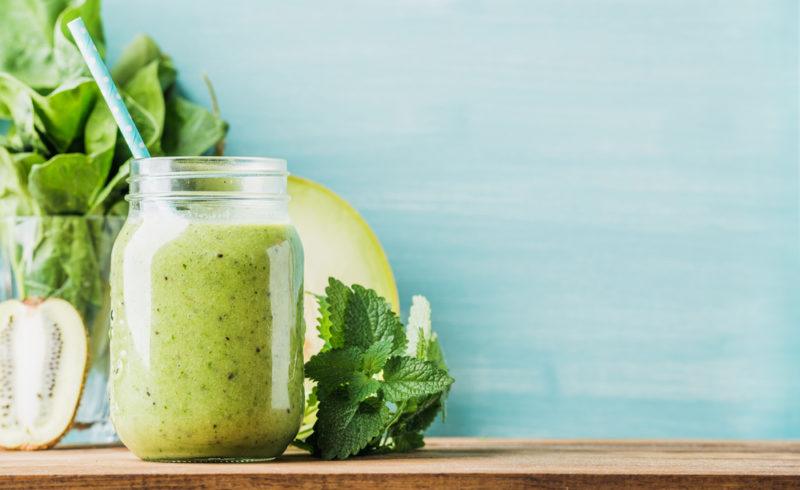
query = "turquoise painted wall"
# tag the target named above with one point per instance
(599, 197)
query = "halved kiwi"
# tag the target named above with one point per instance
(43, 359)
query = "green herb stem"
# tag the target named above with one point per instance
(400, 410)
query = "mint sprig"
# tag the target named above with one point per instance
(406, 378)
(376, 392)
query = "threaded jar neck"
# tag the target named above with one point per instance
(210, 186)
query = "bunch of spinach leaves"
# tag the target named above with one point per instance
(61, 156)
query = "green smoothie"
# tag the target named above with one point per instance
(207, 338)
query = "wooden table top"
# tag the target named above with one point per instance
(445, 462)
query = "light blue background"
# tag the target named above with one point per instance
(600, 198)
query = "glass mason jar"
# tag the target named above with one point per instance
(206, 319)
(67, 257)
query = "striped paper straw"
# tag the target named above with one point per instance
(107, 87)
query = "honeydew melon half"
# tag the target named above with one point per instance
(337, 242)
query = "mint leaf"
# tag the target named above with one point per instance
(338, 298)
(332, 368)
(406, 377)
(324, 320)
(369, 319)
(343, 429)
(376, 355)
(421, 416)
(421, 351)
(434, 354)
(361, 386)
(377, 392)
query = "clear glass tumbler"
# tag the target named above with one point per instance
(68, 257)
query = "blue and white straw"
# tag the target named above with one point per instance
(107, 87)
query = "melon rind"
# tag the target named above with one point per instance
(337, 242)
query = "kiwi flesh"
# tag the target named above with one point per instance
(43, 359)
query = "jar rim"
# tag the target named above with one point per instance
(172, 166)
(208, 179)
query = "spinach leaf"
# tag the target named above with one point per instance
(26, 40)
(145, 89)
(25, 162)
(67, 57)
(83, 286)
(190, 129)
(148, 128)
(139, 53)
(70, 125)
(16, 104)
(65, 184)
(64, 264)
(34, 44)
(119, 208)
(111, 192)
(14, 196)
(100, 135)
(44, 271)
(63, 113)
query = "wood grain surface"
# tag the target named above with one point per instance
(445, 462)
